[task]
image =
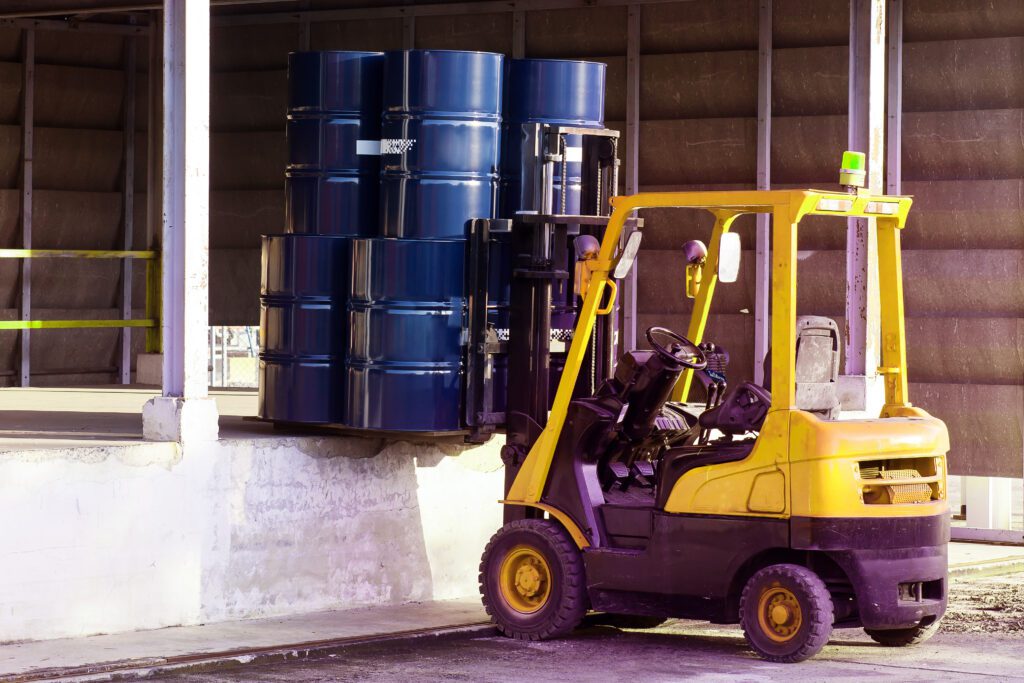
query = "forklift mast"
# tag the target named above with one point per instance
(543, 255)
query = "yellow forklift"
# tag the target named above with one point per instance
(759, 506)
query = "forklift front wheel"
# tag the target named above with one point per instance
(532, 580)
(786, 612)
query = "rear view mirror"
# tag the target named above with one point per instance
(729, 251)
(628, 256)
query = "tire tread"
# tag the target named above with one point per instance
(820, 616)
(574, 603)
(904, 637)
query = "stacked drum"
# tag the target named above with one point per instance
(554, 91)
(440, 144)
(558, 92)
(302, 328)
(331, 183)
(331, 196)
(389, 155)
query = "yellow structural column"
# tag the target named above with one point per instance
(783, 333)
(890, 290)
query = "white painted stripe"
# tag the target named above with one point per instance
(368, 148)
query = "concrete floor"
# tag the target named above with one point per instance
(102, 415)
(983, 631)
(681, 650)
(65, 657)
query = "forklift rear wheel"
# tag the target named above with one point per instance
(902, 637)
(786, 612)
(532, 580)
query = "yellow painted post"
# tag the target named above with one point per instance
(153, 305)
(702, 304)
(783, 349)
(890, 289)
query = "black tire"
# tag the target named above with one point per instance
(634, 621)
(903, 637)
(565, 602)
(805, 607)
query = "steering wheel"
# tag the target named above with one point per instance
(676, 348)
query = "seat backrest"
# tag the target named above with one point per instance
(817, 365)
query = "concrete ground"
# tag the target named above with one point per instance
(982, 636)
(981, 639)
(40, 417)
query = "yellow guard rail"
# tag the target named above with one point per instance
(152, 320)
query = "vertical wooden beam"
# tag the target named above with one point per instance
(894, 107)
(304, 26)
(518, 34)
(866, 124)
(27, 128)
(409, 32)
(629, 314)
(762, 256)
(128, 204)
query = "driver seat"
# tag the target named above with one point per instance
(742, 410)
(817, 366)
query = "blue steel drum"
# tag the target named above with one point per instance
(554, 91)
(302, 328)
(334, 104)
(440, 141)
(406, 315)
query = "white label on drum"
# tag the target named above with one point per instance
(396, 145)
(573, 154)
(370, 148)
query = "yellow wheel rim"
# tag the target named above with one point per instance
(525, 579)
(779, 613)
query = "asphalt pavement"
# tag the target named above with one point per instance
(984, 640)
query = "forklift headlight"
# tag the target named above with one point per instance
(882, 208)
(838, 205)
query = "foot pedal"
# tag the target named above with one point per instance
(642, 472)
(645, 468)
(616, 473)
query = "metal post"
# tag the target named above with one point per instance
(154, 188)
(762, 257)
(27, 125)
(866, 125)
(223, 356)
(894, 109)
(632, 180)
(128, 205)
(186, 164)
(185, 412)
(518, 34)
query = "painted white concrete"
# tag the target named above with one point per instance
(989, 502)
(185, 250)
(146, 535)
(169, 418)
(184, 412)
